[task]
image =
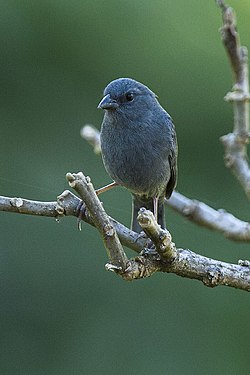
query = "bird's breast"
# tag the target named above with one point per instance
(136, 158)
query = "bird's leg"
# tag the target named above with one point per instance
(81, 208)
(106, 188)
(155, 202)
(150, 248)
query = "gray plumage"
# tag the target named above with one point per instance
(139, 146)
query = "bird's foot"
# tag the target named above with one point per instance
(150, 247)
(80, 213)
(149, 251)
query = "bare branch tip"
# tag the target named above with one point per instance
(74, 178)
(109, 230)
(113, 268)
(146, 218)
(221, 4)
(70, 178)
(92, 136)
(59, 209)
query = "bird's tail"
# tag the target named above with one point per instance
(137, 203)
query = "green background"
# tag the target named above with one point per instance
(60, 311)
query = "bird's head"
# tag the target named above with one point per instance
(125, 96)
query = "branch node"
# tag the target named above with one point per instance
(140, 267)
(237, 95)
(60, 210)
(16, 202)
(67, 202)
(244, 263)
(212, 277)
(229, 160)
(188, 211)
(77, 178)
(108, 230)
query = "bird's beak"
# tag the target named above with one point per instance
(108, 103)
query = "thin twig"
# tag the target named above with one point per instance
(92, 135)
(186, 263)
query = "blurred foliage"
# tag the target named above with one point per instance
(61, 312)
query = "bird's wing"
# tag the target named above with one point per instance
(172, 163)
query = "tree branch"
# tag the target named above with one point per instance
(92, 135)
(161, 238)
(202, 214)
(85, 189)
(67, 204)
(166, 258)
(235, 143)
(157, 252)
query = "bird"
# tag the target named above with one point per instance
(139, 146)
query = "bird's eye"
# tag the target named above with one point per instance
(129, 96)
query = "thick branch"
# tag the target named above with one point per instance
(211, 272)
(235, 143)
(188, 264)
(182, 262)
(26, 206)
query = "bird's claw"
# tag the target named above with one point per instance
(149, 251)
(80, 213)
(150, 246)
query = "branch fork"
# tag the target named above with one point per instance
(157, 252)
(138, 267)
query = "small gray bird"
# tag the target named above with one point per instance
(139, 146)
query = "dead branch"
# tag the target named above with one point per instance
(159, 255)
(235, 143)
(157, 252)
